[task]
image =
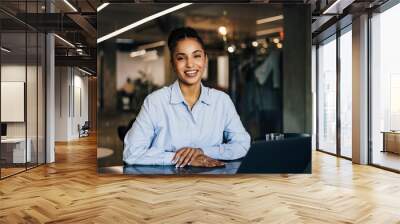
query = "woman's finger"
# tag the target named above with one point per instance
(182, 157)
(177, 155)
(219, 163)
(195, 154)
(189, 157)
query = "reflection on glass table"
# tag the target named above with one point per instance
(292, 154)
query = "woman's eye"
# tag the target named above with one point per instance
(197, 56)
(179, 59)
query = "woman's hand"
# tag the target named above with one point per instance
(185, 155)
(205, 161)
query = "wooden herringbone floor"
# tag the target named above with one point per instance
(70, 191)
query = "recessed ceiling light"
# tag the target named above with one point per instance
(70, 5)
(142, 21)
(269, 19)
(231, 48)
(84, 71)
(5, 50)
(222, 30)
(102, 6)
(65, 41)
(334, 7)
(269, 31)
(137, 53)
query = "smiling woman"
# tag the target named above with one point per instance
(186, 123)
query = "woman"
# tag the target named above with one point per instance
(186, 123)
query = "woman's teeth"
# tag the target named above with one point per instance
(191, 73)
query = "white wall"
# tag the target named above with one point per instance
(12, 100)
(79, 117)
(61, 103)
(70, 84)
(12, 73)
(33, 126)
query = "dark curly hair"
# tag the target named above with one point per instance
(181, 33)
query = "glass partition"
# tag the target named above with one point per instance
(346, 93)
(41, 91)
(32, 70)
(385, 89)
(327, 96)
(31, 97)
(13, 105)
(22, 91)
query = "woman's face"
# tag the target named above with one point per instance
(189, 60)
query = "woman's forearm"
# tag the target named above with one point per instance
(147, 156)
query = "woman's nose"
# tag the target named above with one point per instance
(189, 63)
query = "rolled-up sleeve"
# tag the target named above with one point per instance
(138, 140)
(235, 135)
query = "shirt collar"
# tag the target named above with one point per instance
(177, 96)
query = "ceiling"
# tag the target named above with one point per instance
(19, 54)
(83, 27)
(205, 18)
(77, 27)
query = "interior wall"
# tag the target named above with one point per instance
(71, 87)
(62, 80)
(80, 109)
(297, 95)
(17, 73)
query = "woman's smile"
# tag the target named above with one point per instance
(191, 73)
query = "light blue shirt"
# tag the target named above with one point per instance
(166, 124)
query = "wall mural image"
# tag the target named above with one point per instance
(204, 89)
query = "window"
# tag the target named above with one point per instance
(22, 76)
(327, 96)
(385, 88)
(346, 93)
